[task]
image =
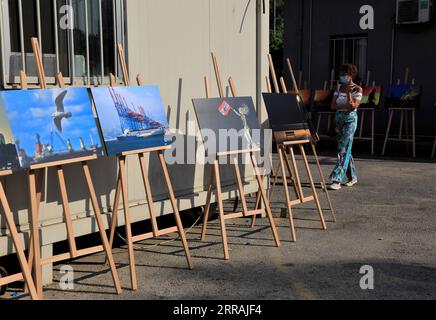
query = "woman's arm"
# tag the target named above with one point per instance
(354, 104)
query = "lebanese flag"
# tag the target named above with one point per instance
(225, 109)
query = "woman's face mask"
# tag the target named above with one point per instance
(344, 79)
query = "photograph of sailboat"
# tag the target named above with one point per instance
(131, 118)
(50, 125)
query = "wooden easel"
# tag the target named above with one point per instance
(290, 167)
(215, 180)
(404, 112)
(26, 273)
(121, 190)
(36, 176)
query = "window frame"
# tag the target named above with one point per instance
(120, 36)
(343, 38)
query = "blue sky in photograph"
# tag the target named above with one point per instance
(30, 112)
(147, 97)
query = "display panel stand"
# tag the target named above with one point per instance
(36, 176)
(122, 190)
(26, 273)
(290, 166)
(215, 181)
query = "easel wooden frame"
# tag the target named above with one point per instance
(404, 112)
(26, 273)
(360, 136)
(290, 167)
(215, 181)
(36, 176)
(122, 191)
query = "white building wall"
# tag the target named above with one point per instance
(169, 44)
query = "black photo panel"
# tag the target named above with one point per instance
(228, 124)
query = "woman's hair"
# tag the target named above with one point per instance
(350, 69)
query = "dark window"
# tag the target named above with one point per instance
(85, 52)
(349, 49)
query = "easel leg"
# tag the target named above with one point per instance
(297, 188)
(207, 207)
(128, 225)
(40, 175)
(312, 184)
(388, 131)
(221, 210)
(400, 135)
(287, 197)
(67, 213)
(362, 123)
(300, 193)
(148, 194)
(240, 186)
(257, 206)
(27, 275)
(265, 200)
(276, 177)
(101, 228)
(176, 209)
(324, 184)
(115, 211)
(414, 132)
(35, 234)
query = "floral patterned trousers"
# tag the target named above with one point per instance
(346, 126)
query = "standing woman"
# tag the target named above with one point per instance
(346, 100)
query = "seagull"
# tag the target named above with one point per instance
(60, 112)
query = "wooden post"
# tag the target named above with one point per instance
(217, 75)
(233, 87)
(123, 65)
(273, 74)
(283, 84)
(268, 84)
(23, 81)
(207, 87)
(139, 80)
(39, 63)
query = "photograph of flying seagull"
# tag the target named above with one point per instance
(60, 111)
(51, 125)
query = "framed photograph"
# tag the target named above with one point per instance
(131, 118)
(371, 97)
(48, 125)
(228, 124)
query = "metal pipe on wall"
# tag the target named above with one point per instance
(310, 42)
(392, 51)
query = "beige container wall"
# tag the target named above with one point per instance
(169, 44)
